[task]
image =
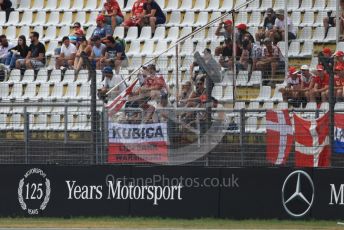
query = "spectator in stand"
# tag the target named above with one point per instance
(18, 52)
(245, 56)
(35, 58)
(241, 34)
(339, 61)
(113, 13)
(330, 20)
(256, 51)
(136, 15)
(199, 92)
(67, 56)
(226, 54)
(153, 14)
(76, 35)
(4, 49)
(321, 83)
(98, 51)
(307, 83)
(325, 58)
(291, 92)
(224, 29)
(271, 58)
(269, 22)
(278, 32)
(339, 82)
(114, 54)
(102, 30)
(154, 84)
(83, 47)
(6, 5)
(111, 80)
(185, 93)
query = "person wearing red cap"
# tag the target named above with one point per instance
(269, 22)
(339, 61)
(102, 30)
(321, 84)
(339, 82)
(225, 30)
(292, 91)
(113, 13)
(136, 14)
(325, 58)
(278, 32)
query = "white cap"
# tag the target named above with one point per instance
(304, 67)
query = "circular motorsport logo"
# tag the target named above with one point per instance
(34, 191)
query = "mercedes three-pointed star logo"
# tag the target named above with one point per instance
(303, 180)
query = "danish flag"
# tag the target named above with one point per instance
(279, 137)
(312, 142)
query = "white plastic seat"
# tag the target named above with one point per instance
(64, 5)
(187, 48)
(25, 30)
(307, 49)
(90, 5)
(339, 107)
(64, 31)
(277, 97)
(324, 108)
(89, 31)
(30, 91)
(262, 126)
(211, 36)
(319, 19)
(16, 123)
(214, 5)
(228, 94)
(26, 19)
(318, 34)
(50, 34)
(55, 123)
(175, 19)
(253, 6)
(14, 76)
(306, 34)
(40, 19)
(294, 49)
(51, 5)
(66, 19)
(199, 5)
(71, 92)
(134, 49)
(129, 6)
(282, 105)
(2, 17)
(199, 37)
(69, 76)
(331, 5)
(83, 76)
(132, 34)
(56, 93)
(160, 47)
(54, 19)
(265, 5)
(39, 30)
(201, 46)
(171, 6)
(310, 106)
(159, 34)
(217, 92)
(41, 122)
(267, 106)
(202, 19)
(188, 20)
(80, 17)
(264, 94)
(173, 34)
(319, 5)
(53, 44)
(119, 32)
(37, 5)
(296, 17)
(148, 48)
(239, 3)
(43, 92)
(185, 32)
(255, 19)
(24, 5)
(78, 5)
(293, 6)
(3, 121)
(241, 18)
(306, 6)
(85, 92)
(227, 5)
(17, 92)
(256, 78)
(55, 76)
(92, 19)
(331, 35)
(146, 34)
(161, 3)
(4, 90)
(242, 78)
(185, 6)
(13, 19)
(29, 76)
(254, 105)
(11, 33)
(279, 4)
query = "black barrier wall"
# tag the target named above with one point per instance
(183, 192)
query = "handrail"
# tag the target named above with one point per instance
(180, 41)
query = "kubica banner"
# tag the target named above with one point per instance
(135, 143)
(183, 192)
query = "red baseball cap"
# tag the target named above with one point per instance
(327, 50)
(292, 70)
(101, 18)
(228, 22)
(241, 26)
(339, 54)
(320, 67)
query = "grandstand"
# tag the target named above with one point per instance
(53, 20)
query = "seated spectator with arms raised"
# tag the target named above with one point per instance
(224, 29)
(35, 58)
(113, 13)
(67, 55)
(153, 14)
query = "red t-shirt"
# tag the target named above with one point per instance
(138, 7)
(154, 81)
(338, 81)
(322, 82)
(112, 6)
(339, 64)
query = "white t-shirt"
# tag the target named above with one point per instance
(280, 25)
(115, 80)
(68, 51)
